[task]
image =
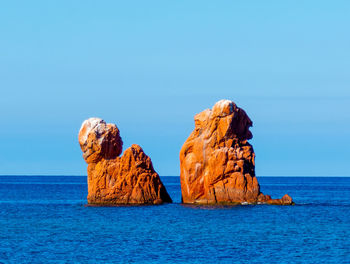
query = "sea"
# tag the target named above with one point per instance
(44, 219)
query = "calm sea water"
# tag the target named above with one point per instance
(45, 220)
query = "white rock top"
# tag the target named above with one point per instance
(93, 124)
(222, 104)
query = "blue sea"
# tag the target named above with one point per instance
(44, 219)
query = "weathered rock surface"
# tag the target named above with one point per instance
(217, 162)
(128, 179)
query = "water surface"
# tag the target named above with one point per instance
(44, 219)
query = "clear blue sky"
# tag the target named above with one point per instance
(149, 66)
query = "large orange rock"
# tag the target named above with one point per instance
(129, 179)
(217, 162)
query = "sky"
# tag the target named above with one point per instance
(150, 66)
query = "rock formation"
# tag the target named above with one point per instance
(217, 162)
(129, 179)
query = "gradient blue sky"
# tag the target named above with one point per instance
(149, 66)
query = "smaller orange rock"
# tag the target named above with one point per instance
(129, 179)
(285, 200)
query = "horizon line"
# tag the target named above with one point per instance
(68, 175)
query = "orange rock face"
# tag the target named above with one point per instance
(217, 162)
(129, 179)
